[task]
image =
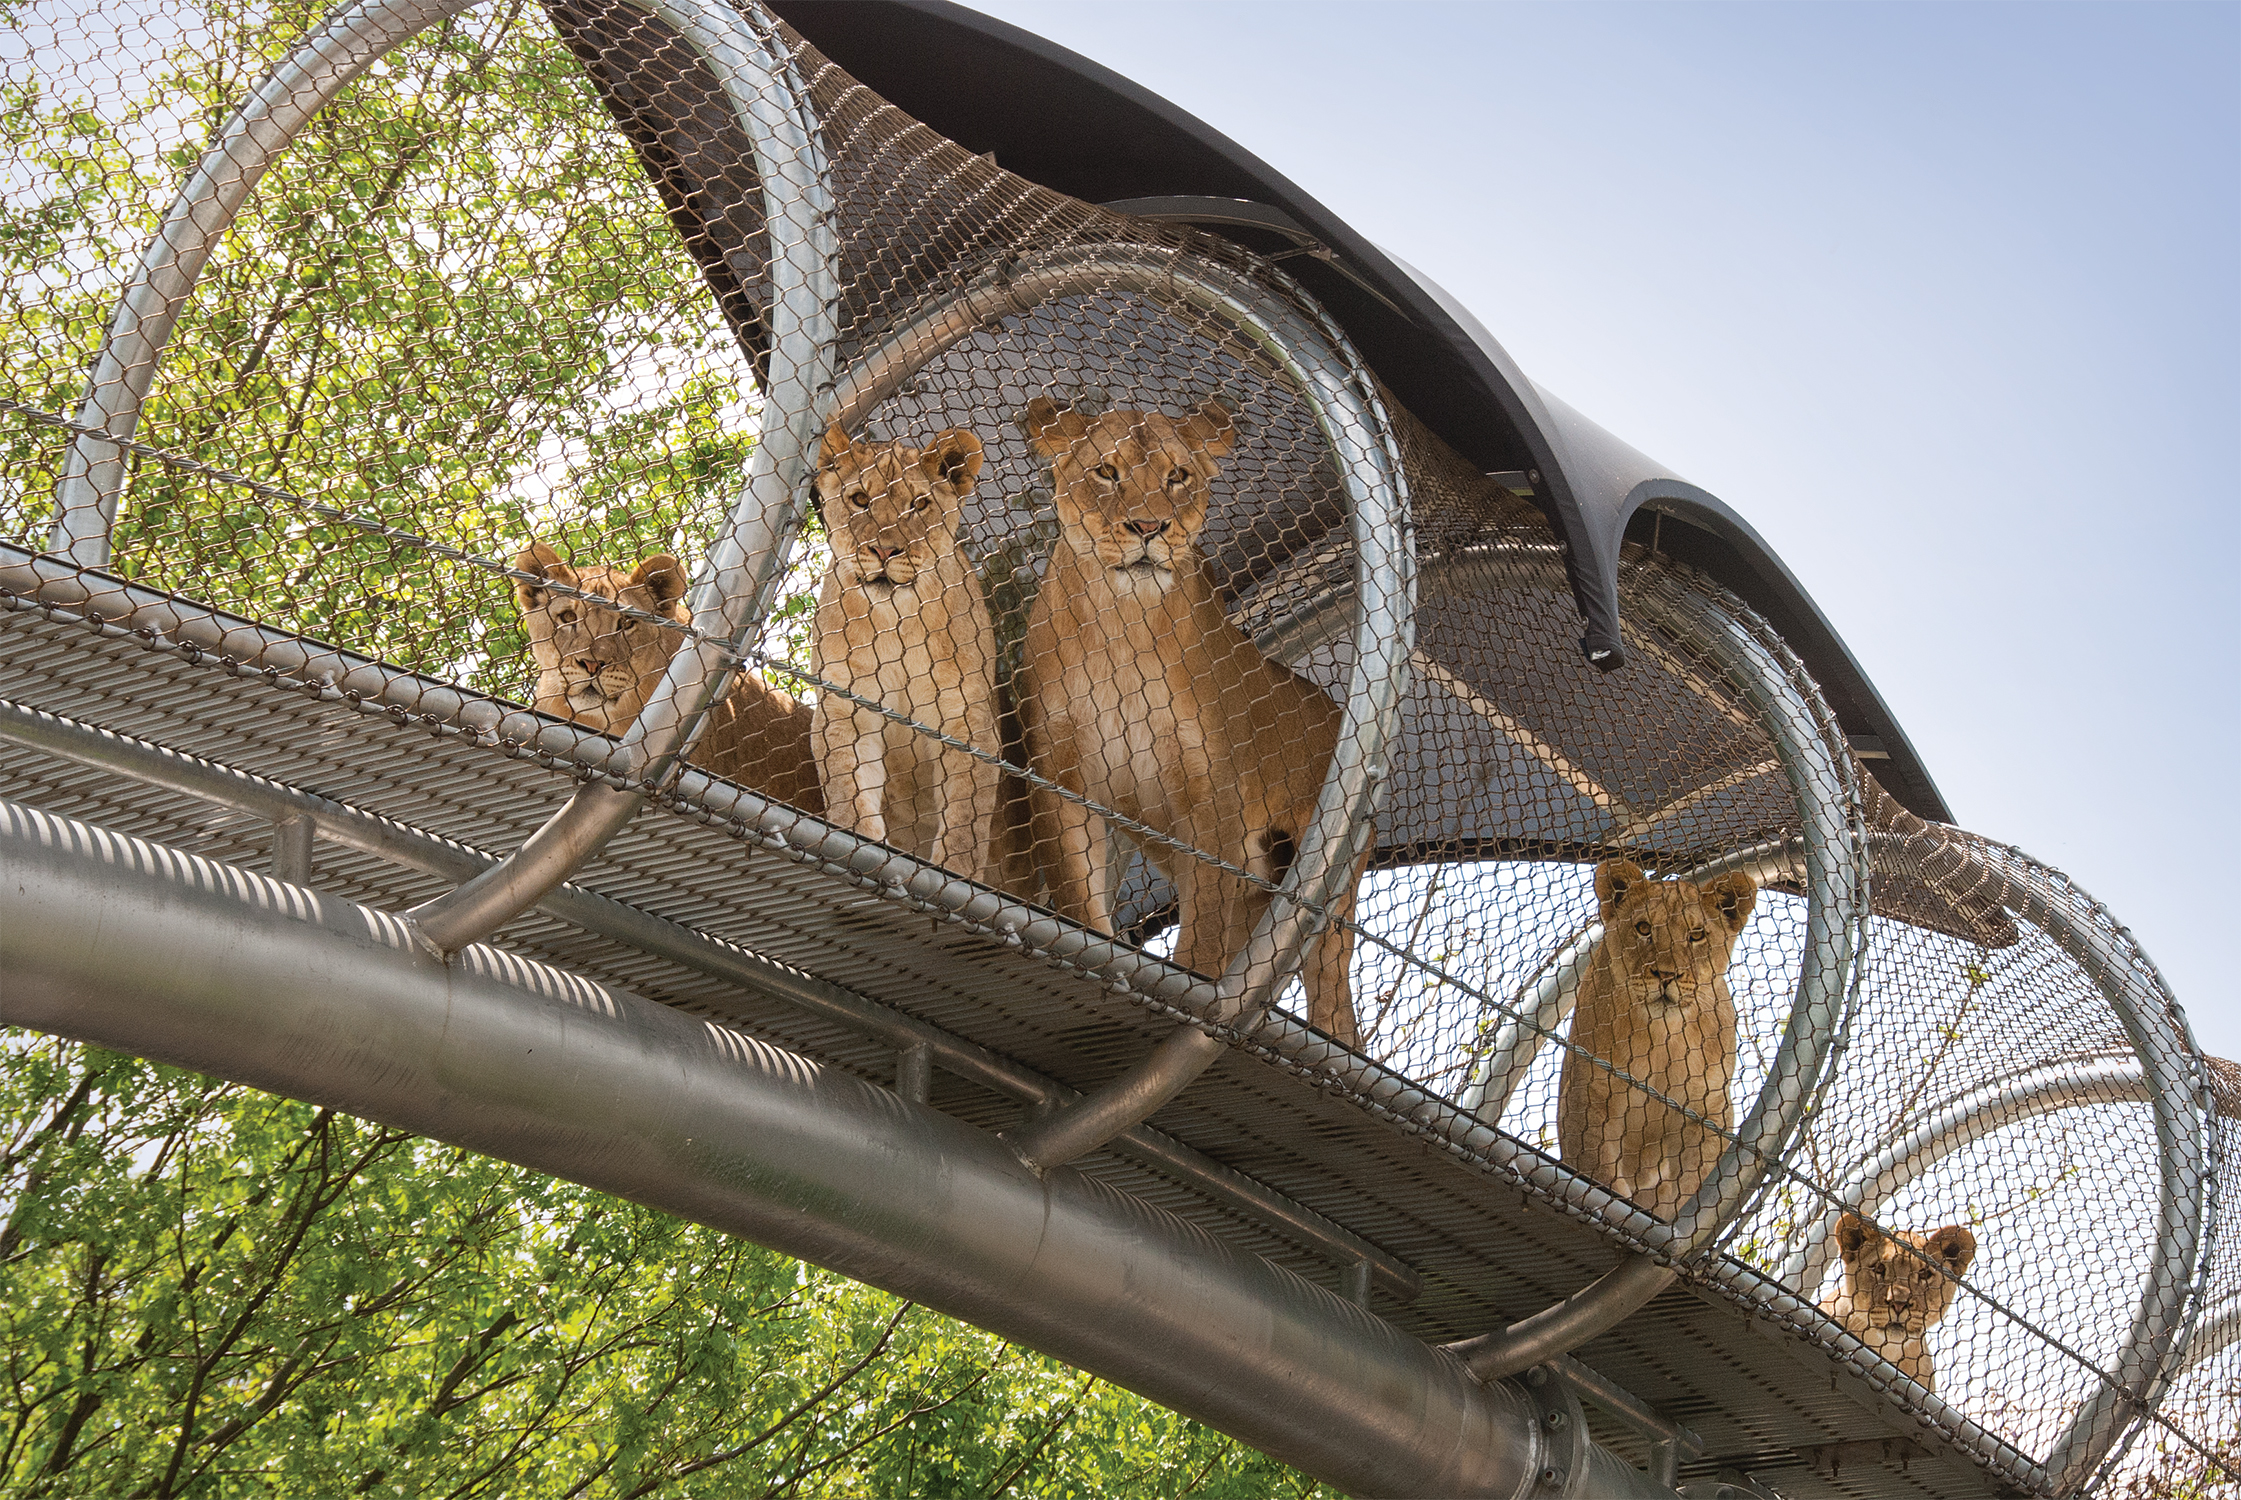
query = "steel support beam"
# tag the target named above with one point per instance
(133, 946)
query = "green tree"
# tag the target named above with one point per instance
(210, 1291)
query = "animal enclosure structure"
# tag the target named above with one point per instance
(316, 323)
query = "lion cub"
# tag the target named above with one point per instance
(1137, 692)
(1654, 1003)
(1890, 1297)
(901, 621)
(597, 667)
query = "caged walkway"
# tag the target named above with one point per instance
(323, 847)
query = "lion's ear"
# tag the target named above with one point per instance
(954, 458)
(1851, 1233)
(834, 447)
(1210, 429)
(1953, 1247)
(1734, 895)
(662, 576)
(541, 560)
(1613, 879)
(1051, 428)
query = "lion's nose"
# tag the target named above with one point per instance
(884, 553)
(1147, 529)
(590, 667)
(1665, 976)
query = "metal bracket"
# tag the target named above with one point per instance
(1563, 1427)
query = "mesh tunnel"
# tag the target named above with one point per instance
(605, 486)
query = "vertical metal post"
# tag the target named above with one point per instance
(914, 1073)
(292, 849)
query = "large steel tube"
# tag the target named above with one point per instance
(310, 76)
(133, 946)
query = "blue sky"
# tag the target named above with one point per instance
(1945, 299)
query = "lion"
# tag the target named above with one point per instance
(1137, 692)
(1895, 1286)
(597, 667)
(1654, 1004)
(901, 621)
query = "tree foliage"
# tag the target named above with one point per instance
(210, 1291)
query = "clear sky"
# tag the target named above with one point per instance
(1944, 299)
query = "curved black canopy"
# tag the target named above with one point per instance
(1059, 119)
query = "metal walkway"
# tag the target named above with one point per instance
(1475, 1250)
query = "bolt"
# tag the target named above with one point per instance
(1552, 1476)
(1536, 1377)
(1555, 1421)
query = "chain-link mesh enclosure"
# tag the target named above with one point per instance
(537, 400)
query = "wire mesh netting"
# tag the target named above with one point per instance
(605, 379)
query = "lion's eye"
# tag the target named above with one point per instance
(859, 499)
(1875, 1270)
(1643, 928)
(1108, 473)
(566, 616)
(1925, 1274)
(1696, 934)
(1178, 476)
(920, 503)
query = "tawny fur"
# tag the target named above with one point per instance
(901, 621)
(1891, 1295)
(597, 667)
(1138, 693)
(1654, 1003)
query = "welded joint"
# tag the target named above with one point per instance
(914, 1072)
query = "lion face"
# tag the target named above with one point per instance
(595, 665)
(1131, 486)
(1670, 941)
(1892, 1292)
(891, 509)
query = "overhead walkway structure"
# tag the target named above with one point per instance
(273, 807)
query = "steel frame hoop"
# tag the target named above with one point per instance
(732, 590)
(1836, 874)
(2183, 1122)
(735, 578)
(1322, 364)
